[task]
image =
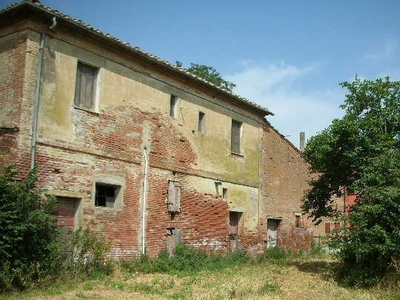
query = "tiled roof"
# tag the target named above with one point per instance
(107, 37)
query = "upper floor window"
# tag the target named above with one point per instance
(202, 122)
(236, 136)
(85, 86)
(173, 106)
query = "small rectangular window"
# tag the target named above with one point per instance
(297, 222)
(201, 123)
(236, 133)
(173, 106)
(85, 86)
(106, 195)
(224, 193)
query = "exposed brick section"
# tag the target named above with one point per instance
(13, 64)
(203, 218)
(295, 239)
(67, 170)
(171, 147)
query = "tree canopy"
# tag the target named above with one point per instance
(210, 74)
(360, 154)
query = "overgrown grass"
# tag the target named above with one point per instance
(186, 260)
(191, 274)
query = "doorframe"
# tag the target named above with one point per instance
(276, 221)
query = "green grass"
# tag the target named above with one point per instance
(194, 275)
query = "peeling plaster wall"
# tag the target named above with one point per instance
(75, 147)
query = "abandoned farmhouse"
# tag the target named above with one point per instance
(138, 149)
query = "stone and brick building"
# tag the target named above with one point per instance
(138, 149)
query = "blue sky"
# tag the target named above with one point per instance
(288, 56)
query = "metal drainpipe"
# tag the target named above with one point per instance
(37, 99)
(38, 93)
(145, 188)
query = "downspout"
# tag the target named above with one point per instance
(144, 199)
(35, 119)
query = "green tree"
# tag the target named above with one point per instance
(210, 74)
(361, 153)
(28, 233)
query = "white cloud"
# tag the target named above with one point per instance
(385, 51)
(271, 85)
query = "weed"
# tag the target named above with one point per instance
(275, 255)
(269, 287)
(116, 284)
(88, 286)
(89, 255)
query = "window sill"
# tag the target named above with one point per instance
(86, 110)
(105, 208)
(234, 154)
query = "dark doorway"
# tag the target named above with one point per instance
(272, 232)
(234, 218)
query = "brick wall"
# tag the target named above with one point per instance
(284, 182)
(12, 75)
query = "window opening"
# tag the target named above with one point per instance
(201, 124)
(298, 222)
(224, 193)
(173, 104)
(106, 195)
(85, 86)
(236, 131)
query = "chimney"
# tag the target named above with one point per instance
(302, 140)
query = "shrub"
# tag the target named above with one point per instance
(275, 254)
(29, 249)
(89, 256)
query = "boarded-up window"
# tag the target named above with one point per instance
(202, 122)
(174, 196)
(173, 239)
(327, 227)
(85, 86)
(236, 132)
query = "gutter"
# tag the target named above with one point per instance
(38, 93)
(37, 100)
(144, 198)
